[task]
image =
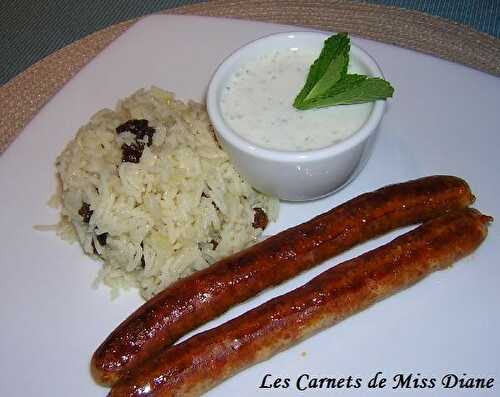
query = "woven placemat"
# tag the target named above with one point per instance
(22, 97)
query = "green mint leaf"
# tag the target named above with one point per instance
(340, 87)
(351, 89)
(329, 68)
(335, 71)
(328, 83)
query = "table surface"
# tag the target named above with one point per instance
(32, 30)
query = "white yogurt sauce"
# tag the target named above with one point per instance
(257, 104)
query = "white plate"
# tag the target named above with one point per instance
(444, 118)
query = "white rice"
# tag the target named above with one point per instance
(179, 209)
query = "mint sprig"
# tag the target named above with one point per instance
(328, 82)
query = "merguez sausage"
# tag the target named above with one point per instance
(204, 360)
(204, 295)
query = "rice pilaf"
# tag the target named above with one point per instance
(147, 189)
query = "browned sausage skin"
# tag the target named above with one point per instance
(206, 359)
(204, 295)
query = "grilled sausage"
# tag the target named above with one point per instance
(204, 295)
(204, 360)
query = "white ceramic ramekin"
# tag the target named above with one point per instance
(293, 176)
